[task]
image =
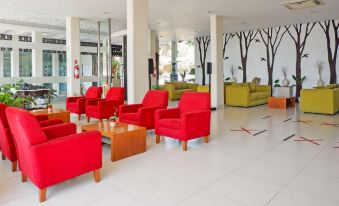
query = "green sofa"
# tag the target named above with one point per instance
(247, 94)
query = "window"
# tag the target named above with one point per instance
(7, 63)
(62, 65)
(47, 64)
(62, 89)
(48, 85)
(25, 63)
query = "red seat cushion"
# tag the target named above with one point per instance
(130, 116)
(170, 123)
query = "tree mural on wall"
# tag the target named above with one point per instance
(203, 44)
(227, 39)
(331, 54)
(302, 32)
(245, 41)
(271, 38)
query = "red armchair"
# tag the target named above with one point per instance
(192, 119)
(77, 105)
(143, 114)
(105, 108)
(50, 155)
(6, 139)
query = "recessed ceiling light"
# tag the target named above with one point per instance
(210, 12)
(106, 12)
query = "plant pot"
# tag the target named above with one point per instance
(116, 82)
(320, 83)
(285, 82)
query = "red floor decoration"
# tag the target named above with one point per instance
(313, 141)
(243, 130)
(329, 124)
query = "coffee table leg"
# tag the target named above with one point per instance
(112, 156)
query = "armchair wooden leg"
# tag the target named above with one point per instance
(96, 175)
(206, 138)
(42, 195)
(14, 166)
(157, 139)
(184, 145)
(23, 177)
(79, 117)
(88, 119)
(3, 156)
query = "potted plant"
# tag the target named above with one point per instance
(298, 81)
(233, 72)
(320, 67)
(7, 96)
(285, 81)
(116, 81)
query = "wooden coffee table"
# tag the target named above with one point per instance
(281, 102)
(54, 114)
(126, 140)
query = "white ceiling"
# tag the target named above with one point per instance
(173, 19)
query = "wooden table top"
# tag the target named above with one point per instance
(46, 112)
(110, 129)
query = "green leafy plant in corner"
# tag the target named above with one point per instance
(277, 83)
(7, 96)
(299, 81)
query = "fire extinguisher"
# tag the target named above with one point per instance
(76, 70)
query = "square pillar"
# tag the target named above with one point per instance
(15, 62)
(217, 80)
(137, 50)
(1, 64)
(37, 57)
(73, 54)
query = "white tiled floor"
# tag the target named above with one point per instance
(235, 168)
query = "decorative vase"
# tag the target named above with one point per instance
(285, 82)
(320, 83)
(233, 79)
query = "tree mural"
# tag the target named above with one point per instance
(302, 32)
(227, 38)
(203, 44)
(271, 38)
(245, 41)
(331, 54)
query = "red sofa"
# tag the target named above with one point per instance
(50, 155)
(192, 119)
(77, 105)
(6, 140)
(143, 114)
(105, 108)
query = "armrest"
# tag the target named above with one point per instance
(195, 123)
(93, 102)
(263, 88)
(72, 99)
(41, 117)
(132, 108)
(167, 113)
(51, 122)
(61, 130)
(73, 155)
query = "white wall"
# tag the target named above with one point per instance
(315, 46)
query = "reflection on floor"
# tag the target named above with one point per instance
(256, 156)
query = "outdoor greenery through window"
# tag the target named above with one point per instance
(47, 64)
(25, 63)
(7, 63)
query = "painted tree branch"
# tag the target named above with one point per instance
(203, 44)
(302, 32)
(245, 41)
(272, 39)
(227, 38)
(331, 54)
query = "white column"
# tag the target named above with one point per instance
(1, 64)
(73, 54)
(37, 61)
(15, 58)
(153, 44)
(217, 82)
(55, 69)
(137, 49)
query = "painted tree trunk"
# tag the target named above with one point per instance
(203, 74)
(244, 70)
(298, 73)
(333, 72)
(270, 76)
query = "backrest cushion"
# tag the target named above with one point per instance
(93, 92)
(25, 127)
(155, 98)
(194, 101)
(252, 86)
(116, 93)
(3, 118)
